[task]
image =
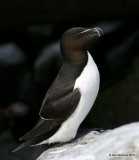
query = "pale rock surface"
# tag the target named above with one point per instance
(119, 144)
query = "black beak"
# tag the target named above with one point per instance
(95, 32)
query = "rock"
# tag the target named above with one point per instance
(48, 64)
(12, 66)
(122, 142)
(10, 54)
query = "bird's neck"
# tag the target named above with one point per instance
(75, 57)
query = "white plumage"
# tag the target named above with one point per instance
(88, 84)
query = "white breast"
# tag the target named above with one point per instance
(88, 84)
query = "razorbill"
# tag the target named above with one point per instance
(72, 94)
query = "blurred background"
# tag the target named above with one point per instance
(30, 60)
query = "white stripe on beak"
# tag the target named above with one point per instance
(97, 29)
(85, 31)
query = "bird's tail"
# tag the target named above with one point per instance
(23, 145)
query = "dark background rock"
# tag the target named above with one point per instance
(117, 104)
(25, 13)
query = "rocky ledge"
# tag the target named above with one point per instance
(119, 143)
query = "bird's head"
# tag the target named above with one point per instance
(79, 38)
(75, 42)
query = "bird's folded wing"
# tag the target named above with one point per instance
(41, 128)
(61, 109)
(36, 140)
(54, 114)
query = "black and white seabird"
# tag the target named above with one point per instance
(72, 94)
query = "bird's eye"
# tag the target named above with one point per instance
(73, 33)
